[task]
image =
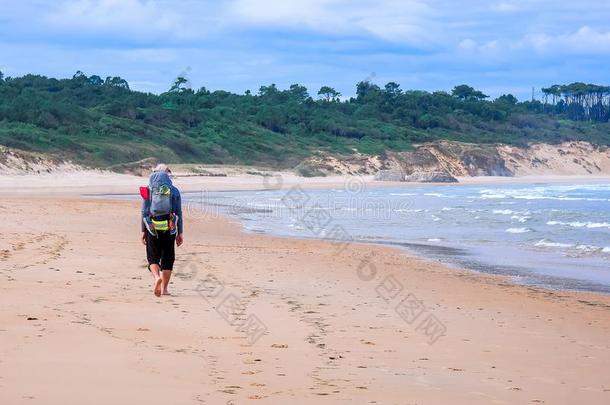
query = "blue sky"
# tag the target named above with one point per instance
(499, 47)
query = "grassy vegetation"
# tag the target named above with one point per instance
(102, 122)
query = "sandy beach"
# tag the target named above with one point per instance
(92, 182)
(260, 319)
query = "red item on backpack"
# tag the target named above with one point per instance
(145, 192)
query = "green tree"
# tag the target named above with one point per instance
(465, 92)
(116, 82)
(507, 99)
(364, 89)
(268, 91)
(393, 89)
(95, 80)
(203, 91)
(298, 93)
(79, 76)
(328, 94)
(80, 119)
(179, 85)
(79, 79)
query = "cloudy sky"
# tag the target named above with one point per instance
(497, 46)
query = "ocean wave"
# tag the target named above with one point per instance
(580, 187)
(503, 212)
(434, 240)
(518, 230)
(545, 243)
(538, 193)
(403, 194)
(578, 224)
(520, 218)
(589, 248)
(493, 196)
(579, 249)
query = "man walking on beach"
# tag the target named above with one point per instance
(161, 226)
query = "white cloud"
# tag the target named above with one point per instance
(468, 44)
(116, 17)
(505, 7)
(585, 40)
(393, 20)
(582, 41)
(154, 55)
(401, 21)
(238, 44)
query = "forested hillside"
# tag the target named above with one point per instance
(101, 121)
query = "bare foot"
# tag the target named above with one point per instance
(165, 292)
(157, 289)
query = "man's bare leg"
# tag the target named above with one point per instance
(155, 271)
(165, 276)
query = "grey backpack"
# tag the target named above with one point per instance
(160, 195)
(160, 200)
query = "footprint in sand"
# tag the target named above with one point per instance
(256, 397)
(251, 372)
(231, 389)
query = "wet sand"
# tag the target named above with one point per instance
(260, 319)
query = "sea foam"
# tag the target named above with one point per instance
(580, 224)
(545, 243)
(518, 230)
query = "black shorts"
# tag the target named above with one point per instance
(160, 250)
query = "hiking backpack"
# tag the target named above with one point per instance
(160, 200)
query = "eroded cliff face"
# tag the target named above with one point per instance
(468, 160)
(569, 158)
(13, 161)
(454, 158)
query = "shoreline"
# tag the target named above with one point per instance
(452, 262)
(398, 246)
(525, 275)
(245, 183)
(97, 182)
(510, 273)
(336, 325)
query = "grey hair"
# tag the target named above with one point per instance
(161, 167)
